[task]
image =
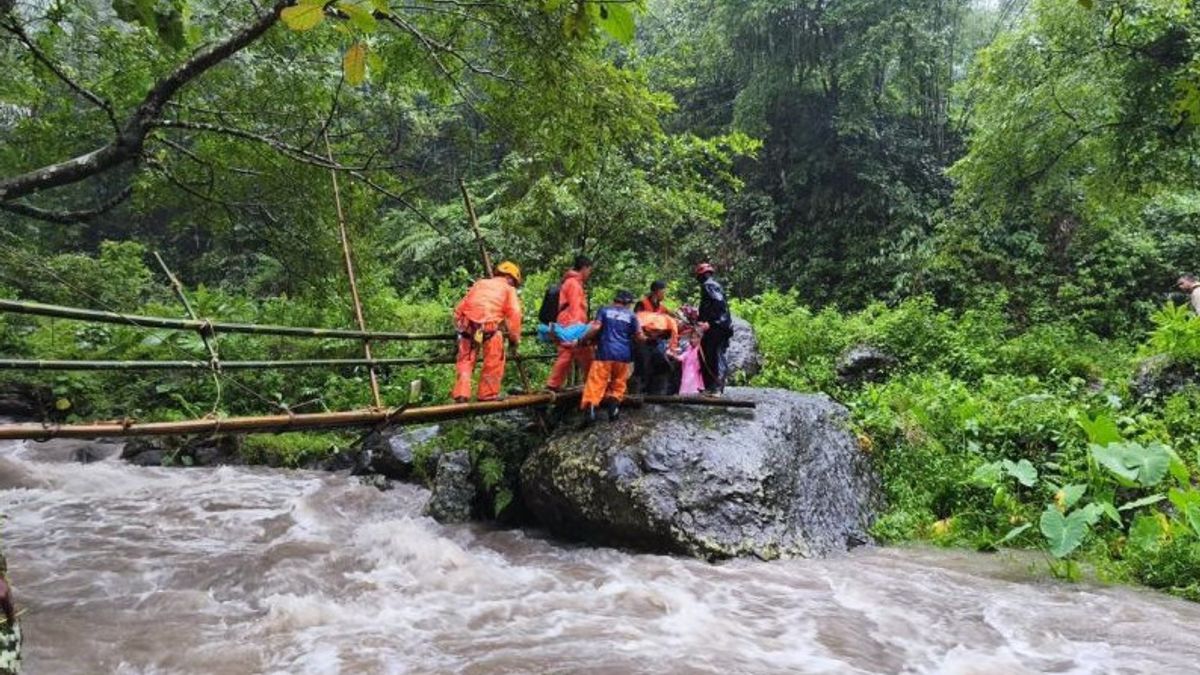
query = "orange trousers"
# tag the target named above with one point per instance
(493, 367)
(562, 365)
(606, 379)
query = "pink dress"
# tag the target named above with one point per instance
(691, 382)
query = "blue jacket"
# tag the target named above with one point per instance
(618, 326)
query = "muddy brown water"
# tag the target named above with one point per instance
(242, 570)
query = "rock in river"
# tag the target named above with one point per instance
(786, 479)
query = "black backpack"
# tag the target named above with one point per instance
(548, 313)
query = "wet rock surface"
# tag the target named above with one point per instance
(743, 357)
(183, 451)
(391, 453)
(453, 489)
(786, 479)
(864, 363)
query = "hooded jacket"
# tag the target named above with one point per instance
(572, 300)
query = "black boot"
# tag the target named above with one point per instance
(589, 417)
(614, 411)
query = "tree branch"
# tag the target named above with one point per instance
(68, 217)
(127, 146)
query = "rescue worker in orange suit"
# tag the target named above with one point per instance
(652, 365)
(490, 312)
(572, 309)
(616, 330)
(653, 301)
(716, 327)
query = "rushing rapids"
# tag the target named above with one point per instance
(236, 570)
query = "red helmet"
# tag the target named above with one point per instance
(704, 268)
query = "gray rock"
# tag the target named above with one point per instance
(743, 357)
(376, 481)
(786, 479)
(453, 489)
(24, 401)
(864, 363)
(391, 453)
(148, 458)
(1159, 377)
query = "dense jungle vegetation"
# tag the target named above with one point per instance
(999, 194)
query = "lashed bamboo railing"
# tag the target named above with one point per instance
(46, 365)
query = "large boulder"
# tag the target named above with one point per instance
(1158, 377)
(743, 357)
(864, 363)
(392, 453)
(785, 479)
(453, 492)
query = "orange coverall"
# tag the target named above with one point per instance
(606, 379)
(488, 306)
(572, 309)
(657, 325)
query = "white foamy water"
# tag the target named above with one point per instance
(235, 570)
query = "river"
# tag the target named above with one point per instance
(245, 570)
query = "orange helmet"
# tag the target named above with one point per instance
(704, 268)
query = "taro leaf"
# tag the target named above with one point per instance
(354, 64)
(1144, 501)
(304, 16)
(616, 19)
(1130, 462)
(1068, 495)
(1063, 533)
(1023, 471)
(1101, 431)
(1112, 457)
(1091, 513)
(986, 474)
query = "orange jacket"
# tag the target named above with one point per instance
(658, 325)
(647, 305)
(572, 300)
(491, 301)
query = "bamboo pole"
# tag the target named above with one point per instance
(352, 418)
(358, 312)
(141, 321)
(282, 423)
(187, 305)
(483, 253)
(46, 365)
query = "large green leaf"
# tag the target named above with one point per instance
(1134, 463)
(167, 19)
(1187, 502)
(616, 19)
(361, 17)
(1023, 471)
(1068, 495)
(1101, 431)
(304, 16)
(1064, 534)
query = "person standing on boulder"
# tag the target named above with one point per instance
(617, 329)
(716, 326)
(572, 310)
(491, 305)
(1190, 285)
